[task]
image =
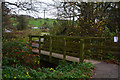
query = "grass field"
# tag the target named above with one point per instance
(41, 22)
(37, 22)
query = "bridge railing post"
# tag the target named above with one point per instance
(101, 47)
(64, 55)
(39, 45)
(50, 57)
(81, 55)
(30, 42)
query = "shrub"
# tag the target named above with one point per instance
(64, 71)
(18, 53)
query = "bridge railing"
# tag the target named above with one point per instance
(81, 47)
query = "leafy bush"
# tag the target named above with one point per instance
(18, 72)
(110, 57)
(18, 53)
(66, 70)
(107, 32)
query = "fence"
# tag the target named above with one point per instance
(81, 47)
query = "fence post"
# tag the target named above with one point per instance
(64, 55)
(101, 49)
(82, 45)
(30, 42)
(39, 45)
(50, 57)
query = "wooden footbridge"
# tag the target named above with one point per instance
(71, 48)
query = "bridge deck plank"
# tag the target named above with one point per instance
(68, 58)
(57, 55)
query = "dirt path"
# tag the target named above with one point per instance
(105, 70)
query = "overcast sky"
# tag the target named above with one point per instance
(48, 13)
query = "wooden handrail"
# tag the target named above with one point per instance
(65, 39)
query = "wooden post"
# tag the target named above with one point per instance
(101, 47)
(64, 55)
(50, 57)
(82, 45)
(30, 42)
(39, 45)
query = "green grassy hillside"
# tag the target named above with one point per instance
(41, 22)
(37, 22)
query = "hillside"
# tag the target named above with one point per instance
(41, 22)
(37, 22)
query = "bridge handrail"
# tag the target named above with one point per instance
(82, 44)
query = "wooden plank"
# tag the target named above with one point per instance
(60, 56)
(35, 47)
(37, 42)
(78, 37)
(36, 36)
(56, 55)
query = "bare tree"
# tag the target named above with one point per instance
(91, 17)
